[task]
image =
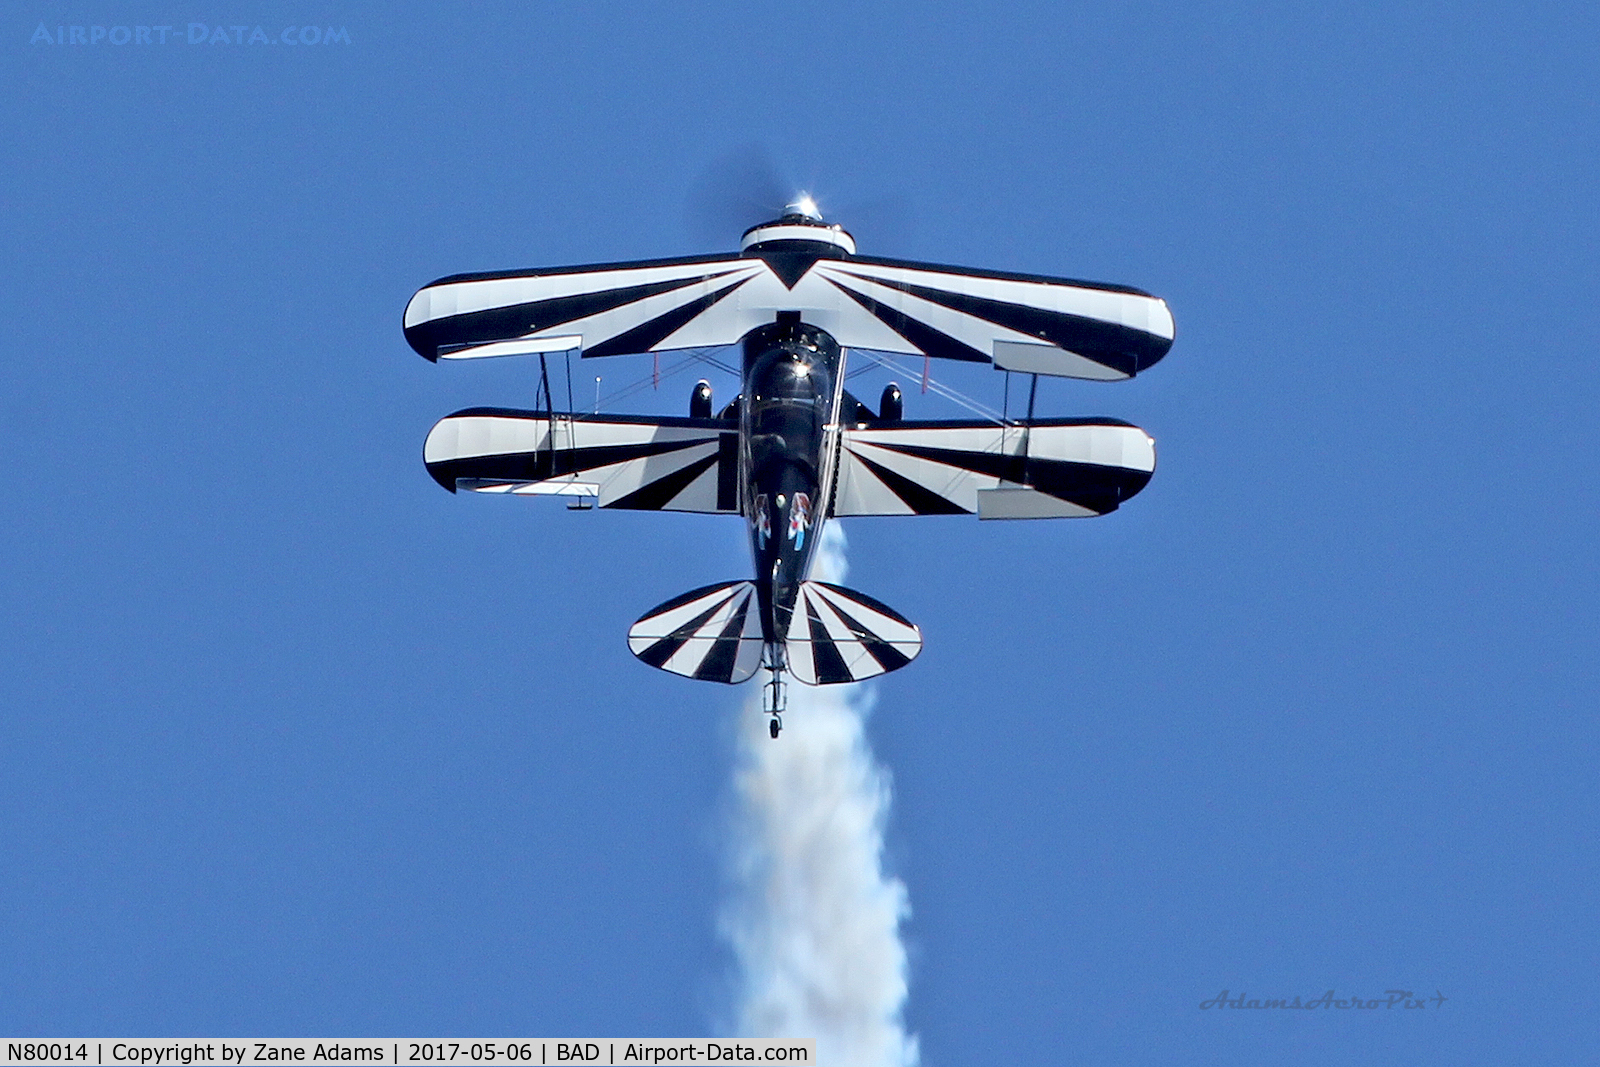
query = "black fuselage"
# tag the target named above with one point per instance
(791, 377)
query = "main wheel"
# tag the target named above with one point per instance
(774, 727)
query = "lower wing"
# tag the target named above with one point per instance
(1044, 469)
(646, 464)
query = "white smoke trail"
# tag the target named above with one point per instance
(813, 921)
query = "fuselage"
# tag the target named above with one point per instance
(788, 427)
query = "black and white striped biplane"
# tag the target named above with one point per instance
(794, 448)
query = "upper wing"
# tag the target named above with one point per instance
(608, 309)
(1019, 322)
(648, 464)
(1050, 468)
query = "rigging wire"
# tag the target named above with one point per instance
(654, 378)
(888, 362)
(883, 360)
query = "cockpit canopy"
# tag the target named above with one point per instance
(792, 375)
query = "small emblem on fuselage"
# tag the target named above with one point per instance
(762, 520)
(799, 519)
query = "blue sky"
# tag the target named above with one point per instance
(295, 743)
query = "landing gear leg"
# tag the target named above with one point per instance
(774, 698)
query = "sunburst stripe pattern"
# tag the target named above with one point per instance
(839, 635)
(634, 463)
(1048, 325)
(712, 634)
(912, 469)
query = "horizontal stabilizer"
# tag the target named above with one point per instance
(840, 635)
(712, 634)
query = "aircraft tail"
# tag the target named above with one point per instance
(714, 634)
(840, 635)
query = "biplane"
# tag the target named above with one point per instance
(794, 448)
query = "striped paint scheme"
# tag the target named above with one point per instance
(1044, 325)
(649, 464)
(839, 635)
(1079, 467)
(712, 634)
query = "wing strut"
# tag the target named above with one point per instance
(1027, 427)
(549, 404)
(576, 503)
(544, 387)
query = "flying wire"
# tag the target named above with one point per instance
(882, 360)
(654, 378)
(888, 362)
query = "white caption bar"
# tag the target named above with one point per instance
(520, 1052)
